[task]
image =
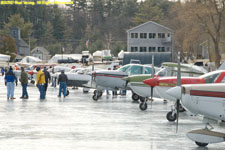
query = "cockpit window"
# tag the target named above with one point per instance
(135, 70)
(211, 78)
(124, 68)
(148, 70)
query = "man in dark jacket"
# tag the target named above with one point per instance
(62, 81)
(24, 82)
(10, 78)
(47, 79)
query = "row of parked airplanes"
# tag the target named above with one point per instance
(191, 87)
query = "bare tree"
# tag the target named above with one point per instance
(210, 14)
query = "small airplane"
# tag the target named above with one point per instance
(112, 79)
(142, 91)
(162, 84)
(206, 100)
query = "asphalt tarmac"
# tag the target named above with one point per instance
(77, 122)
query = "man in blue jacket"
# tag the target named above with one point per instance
(10, 78)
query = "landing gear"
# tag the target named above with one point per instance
(67, 92)
(97, 95)
(135, 97)
(201, 144)
(142, 99)
(143, 105)
(171, 116)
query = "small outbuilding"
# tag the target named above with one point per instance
(40, 53)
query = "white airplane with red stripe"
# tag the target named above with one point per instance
(207, 100)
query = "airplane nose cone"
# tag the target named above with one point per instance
(151, 82)
(175, 92)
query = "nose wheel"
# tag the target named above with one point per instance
(97, 95)
(171, 116)
(135, 97)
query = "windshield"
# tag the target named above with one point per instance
(148, 70)
(211, 78)
(124, 68)
(135, 70)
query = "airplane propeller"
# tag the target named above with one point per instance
(178, 85)
(153, 72)
(92, 74)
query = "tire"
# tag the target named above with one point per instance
(99, 93)
(67, 92)
(201, 144)
(95, 91)
(32, 82)
(95, 97)
(135, 97)
(143, 106)
(170, 117)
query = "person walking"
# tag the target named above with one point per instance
(62, 81)
(10, 78)
(47, 79)
(40, 82)
(24, 82)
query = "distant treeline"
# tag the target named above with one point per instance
(104, 23)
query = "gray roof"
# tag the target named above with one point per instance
(149, 22)
(22, 43)
(40, 49)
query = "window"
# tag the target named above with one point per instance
(161, 49)
(223, 81)
(152, 35)
(143, 49)
(148, 70)
(211, 78)
(135, 70)
(161, 35)
(151, 49)
(124, 68)
(143, 35)
(134, 35)
(168, 49)
(134, 49)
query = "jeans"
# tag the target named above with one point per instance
(45, 87)
(42, 91)
(62, 86)
(10, 89)
(24, 90)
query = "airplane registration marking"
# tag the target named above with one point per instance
(207, 93)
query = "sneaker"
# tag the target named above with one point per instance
(21, 97)
(13, 98)
(59, 96)
(26, 97)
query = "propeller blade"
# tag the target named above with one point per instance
(152, 92)
(178, 84)
(178, 105)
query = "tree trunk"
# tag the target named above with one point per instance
(217, 54)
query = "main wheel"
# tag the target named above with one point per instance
(170, 117)
(95, 91)
(135, 97)
(143, 106)
(99, 93)
(67, 92)
(201, 144)
(95, 97)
